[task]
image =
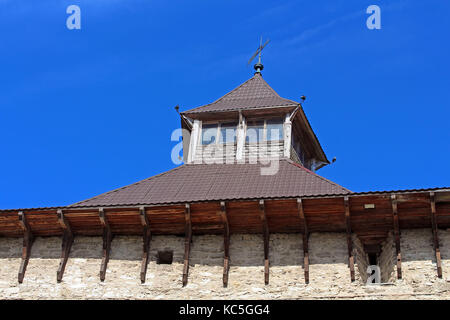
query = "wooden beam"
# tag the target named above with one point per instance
(187, 242)
(27, 243)
(226, 243)
(263, 216)
(67, 242)
(146, 243)
(301, 214)
(351, 262)
(434, 228)
(107, 237)
(396, 227)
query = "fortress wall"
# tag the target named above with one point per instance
(387, 260)
(329, 272)
(444, 245)
(418, 261)
(361, 260)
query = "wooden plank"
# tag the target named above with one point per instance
(396, 235)
(27, 243)
(301, 214)
(67, 241)
(324, 214)
(265, 226)
(351, 261)
(187, 242)
(434, 228)
(146, 242)
(107, 237)
(226, 243)
(442, 197)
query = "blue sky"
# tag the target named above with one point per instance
(86, 111)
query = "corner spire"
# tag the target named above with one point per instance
(258, 66)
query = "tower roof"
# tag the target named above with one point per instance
(254, 93)
(212, 182)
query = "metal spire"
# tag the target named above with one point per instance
(258, 66)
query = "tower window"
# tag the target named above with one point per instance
(209, 134)
(274, 130)
(264, 130)
(255, 131)
(219, 133)
(227, 132)
(164, 257)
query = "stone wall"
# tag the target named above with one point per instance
(444, 242)
(361, 260)
(387, 260)
(329, 271)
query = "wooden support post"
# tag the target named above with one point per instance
(27, 243)
(146, 244)
(67, 241)
(434, 227)
(351, 261)
(226, 243)
(396, 226)
(301, 214)
(187, 242)
(262, 211)
(107, 237)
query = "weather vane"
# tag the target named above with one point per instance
(258, 67)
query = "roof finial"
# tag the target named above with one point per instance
(258, 66)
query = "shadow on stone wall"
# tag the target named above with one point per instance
(10, 248)
(245, 249)
(361, 260)
(387, 260)
(444, 241)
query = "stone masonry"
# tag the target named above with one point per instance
(329, 271)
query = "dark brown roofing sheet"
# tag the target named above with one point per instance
(254, 93)
(208, 182)
(330, 195)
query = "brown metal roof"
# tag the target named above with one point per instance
(254, 93)
(438, 190)
(209, 182)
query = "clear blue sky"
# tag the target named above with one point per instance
(86, 111)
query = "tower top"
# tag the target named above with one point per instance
(258, 66)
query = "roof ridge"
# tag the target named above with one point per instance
(128, 185)
(315, 174)
(276, 93)
(226, 94)
(237, 88)
(270, 88)
(255, 88)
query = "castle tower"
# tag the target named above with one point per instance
(249, 123)
(250, 143)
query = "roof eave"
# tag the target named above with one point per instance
(443, 192)
(246, 111)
